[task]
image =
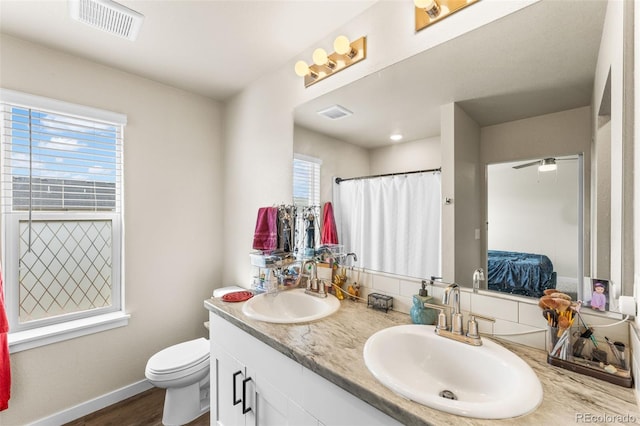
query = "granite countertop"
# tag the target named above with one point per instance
(568, 397)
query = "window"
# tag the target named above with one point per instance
(61, 200)
(306, 180)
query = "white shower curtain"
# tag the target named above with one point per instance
(392, 223)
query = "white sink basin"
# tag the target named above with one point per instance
(489, 381)
(290, 306)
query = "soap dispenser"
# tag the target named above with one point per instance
(420, 314)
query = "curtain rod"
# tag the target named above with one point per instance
(338, 180)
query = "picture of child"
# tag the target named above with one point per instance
(599, 297)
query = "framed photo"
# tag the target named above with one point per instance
(599, 295)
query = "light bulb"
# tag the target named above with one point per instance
(320, 56)
(301, 68)
(341, 45)
(423, 4)
(430, 6)
(396, 137)
(548, 165)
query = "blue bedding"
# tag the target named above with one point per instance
(524, 274)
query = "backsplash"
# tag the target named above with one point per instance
(512, 314)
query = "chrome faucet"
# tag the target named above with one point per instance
(451, 301)
(478, 275)
(315, 287)
(454, 302)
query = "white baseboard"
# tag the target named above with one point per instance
(93, 405)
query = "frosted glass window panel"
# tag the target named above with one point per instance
(68, 268)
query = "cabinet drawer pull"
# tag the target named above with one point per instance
(245, 409)
(236, 374)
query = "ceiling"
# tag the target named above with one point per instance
(210, 47)
(538, 60)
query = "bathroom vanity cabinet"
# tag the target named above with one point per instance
(272, 389)
(314, 373)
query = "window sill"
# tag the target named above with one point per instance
(29, 339)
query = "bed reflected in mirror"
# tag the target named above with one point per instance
(534, 226)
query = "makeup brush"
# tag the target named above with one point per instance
(563, 323)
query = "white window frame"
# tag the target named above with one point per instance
(63, 327)
(312, 184)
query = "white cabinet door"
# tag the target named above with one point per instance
(231, 390)
(271, 405)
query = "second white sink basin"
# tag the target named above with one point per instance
(488, 381)
(290, 306)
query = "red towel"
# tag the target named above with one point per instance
(329, 230)
(5, 367)
(265, 236)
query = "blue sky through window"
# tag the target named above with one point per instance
(63, 147)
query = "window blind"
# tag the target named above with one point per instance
(306, 180)
(56, 160)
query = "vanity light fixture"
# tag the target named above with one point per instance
(547, 165)
(428, 12)
(346, 54)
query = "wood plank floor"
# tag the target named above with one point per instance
(144, 409)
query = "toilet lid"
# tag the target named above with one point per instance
(179, 357)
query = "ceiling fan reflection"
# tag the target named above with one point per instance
(544, 165)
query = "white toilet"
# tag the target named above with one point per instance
(183, 370)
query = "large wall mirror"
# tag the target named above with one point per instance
(526, 80)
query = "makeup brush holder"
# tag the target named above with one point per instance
(570, 351)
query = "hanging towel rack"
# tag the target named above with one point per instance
(338, 179)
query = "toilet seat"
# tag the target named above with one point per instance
(179, 360)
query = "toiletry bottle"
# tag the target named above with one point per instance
(420, 314)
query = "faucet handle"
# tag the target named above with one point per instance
(442, 318)
(472, 325)
(482, 317)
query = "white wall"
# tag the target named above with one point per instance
(556, 134)
(173, 220)
(422, 154)
(635, 343)
(636, 186)
(462, 184)
(610, 59)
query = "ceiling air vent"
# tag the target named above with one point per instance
(107, 15)
(335, 112)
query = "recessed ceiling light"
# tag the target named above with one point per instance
(396, 137)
